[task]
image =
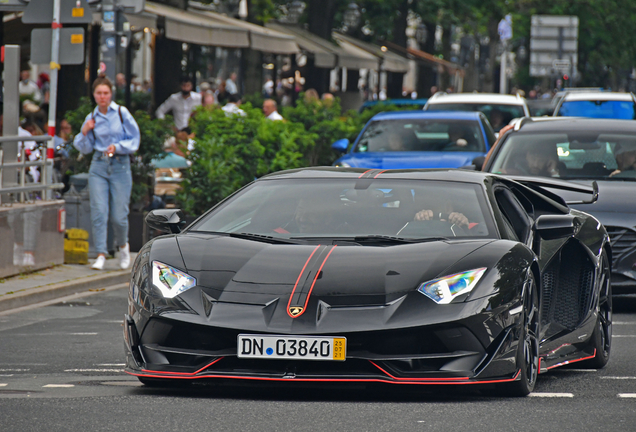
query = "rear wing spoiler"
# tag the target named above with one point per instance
(538, 183)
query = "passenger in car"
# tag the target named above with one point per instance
(625, 160)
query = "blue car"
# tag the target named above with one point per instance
(418, 139)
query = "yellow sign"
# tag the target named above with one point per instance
(77, 12)
(77, 38)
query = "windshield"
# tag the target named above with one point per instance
(408, 209)
(421, 135)
(498, 115)
(575, 155)
(623, 110)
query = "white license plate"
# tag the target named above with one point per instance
(292, 347)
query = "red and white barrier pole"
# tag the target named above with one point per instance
(55, 66)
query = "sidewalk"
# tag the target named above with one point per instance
(59, 281)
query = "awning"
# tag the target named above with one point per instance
(328, 54)
(202, 27)
(261, 38)
(391, 62)
(192, 27)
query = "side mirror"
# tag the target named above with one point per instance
(166, 220)
(479, 162)
(551, 227)
(341, 145)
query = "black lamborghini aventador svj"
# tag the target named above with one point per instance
(345, 275)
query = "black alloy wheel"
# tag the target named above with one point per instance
(528, 351)
(601, 339)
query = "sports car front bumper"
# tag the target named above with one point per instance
(447, 353)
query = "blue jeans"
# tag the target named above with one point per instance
(110, 183)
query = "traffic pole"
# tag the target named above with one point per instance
(503, 79)
(56, 25)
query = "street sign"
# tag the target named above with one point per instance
(71, 46)
(562, 65)
(553, 45)
(12, 5)
(71, 12)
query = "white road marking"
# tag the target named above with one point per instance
(83, 334)
(3, 384)
(14, 370)
(575, 370)
(619, 377)
(623, 336)
(6, 375)
(93, 370)
(624, 322)
(111, 364)
(59, 385)
(552, 395)
(627, 395)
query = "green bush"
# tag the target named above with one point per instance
(230, 152)
(324, 123)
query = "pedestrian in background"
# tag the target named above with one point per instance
(181, 104)
(270, 110)
(230, 84)
(113, 134)
(28, 87)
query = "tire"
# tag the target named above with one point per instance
(601, 339)
(528, 346)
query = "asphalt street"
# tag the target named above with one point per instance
(61, 369)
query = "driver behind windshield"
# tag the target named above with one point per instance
(444, 211)
(536, 160)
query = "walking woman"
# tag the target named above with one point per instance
(112, 133)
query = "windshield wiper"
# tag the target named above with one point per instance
(261, 238)
(248, 236)
(394, 240)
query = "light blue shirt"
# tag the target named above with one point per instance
(109, 129)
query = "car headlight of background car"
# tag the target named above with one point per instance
(170, 281)
(342, 165)
(443, 290)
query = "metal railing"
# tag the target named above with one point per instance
(20, 187)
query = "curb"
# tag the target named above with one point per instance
(62, 289)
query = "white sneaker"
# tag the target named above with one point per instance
(124, 256)
(99, 263)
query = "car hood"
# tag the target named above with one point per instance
(232, 270)
(402, 160)
(616, 204)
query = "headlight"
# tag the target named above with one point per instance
(443, 290)
(342, 165)
(170, 281)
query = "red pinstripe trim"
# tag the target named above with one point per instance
(365, 173)
(376, 176)
(298, 280)
(183, 373)
(313, 283)
(378, 380)
(572, 361)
